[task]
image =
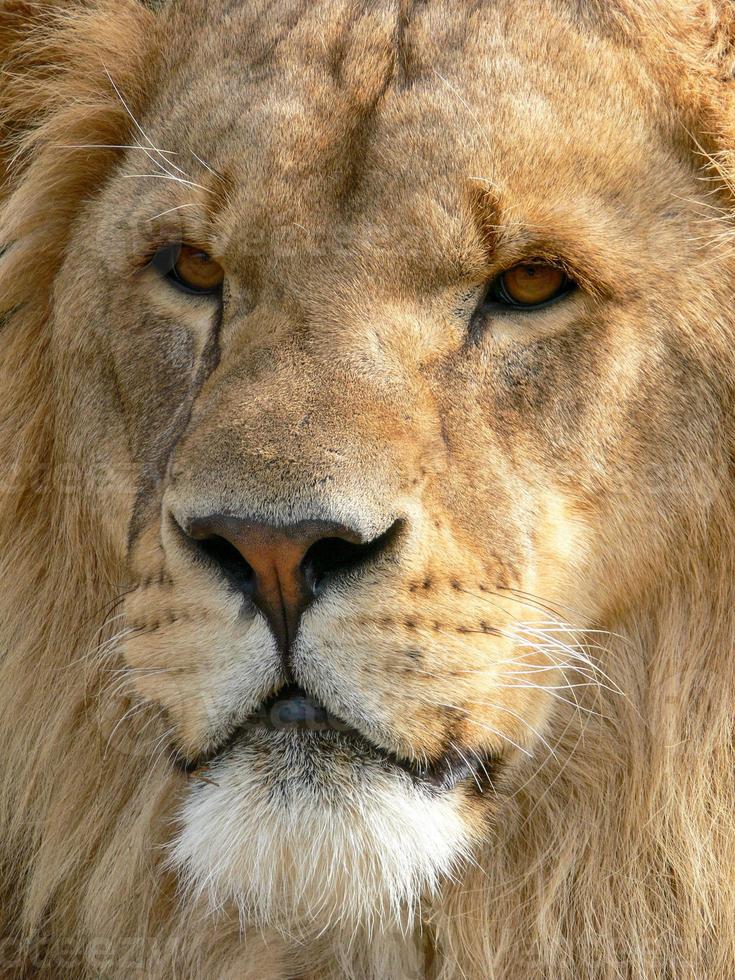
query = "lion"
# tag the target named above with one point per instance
(367, 514)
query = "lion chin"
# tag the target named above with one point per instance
(302, 832)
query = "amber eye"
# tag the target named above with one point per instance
(190, 269)
(529, 285)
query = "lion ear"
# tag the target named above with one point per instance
(71, 69)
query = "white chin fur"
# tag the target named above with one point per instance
(302, 834)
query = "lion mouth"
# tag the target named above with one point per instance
(291, 709)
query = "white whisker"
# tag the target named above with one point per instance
(179, 180)
(179, 207)
(206, 165)
(140, 129)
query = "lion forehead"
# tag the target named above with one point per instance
(309, 98)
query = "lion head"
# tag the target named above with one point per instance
(367, 493)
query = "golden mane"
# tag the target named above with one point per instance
(615, 859)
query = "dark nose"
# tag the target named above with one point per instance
(282, 569)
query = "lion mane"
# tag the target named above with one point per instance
(617, 863)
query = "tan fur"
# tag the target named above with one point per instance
(361, 170)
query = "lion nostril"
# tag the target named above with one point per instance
(330, 557)
(227, 558)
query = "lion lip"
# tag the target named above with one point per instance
(292, 709)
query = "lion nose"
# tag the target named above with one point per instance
(283, 569)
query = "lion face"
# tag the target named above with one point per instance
(390, 345)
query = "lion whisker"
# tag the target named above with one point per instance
(557, 610)
(206, 166)
(482, 765)
(473, 721)
(576, 653)
(562, 767)
(179, 207)
(574, 656)
(179, 180)
(579, 666)
(107, 146)
(140, 129)
(482, 672)
(135, 708)
(464, 758)
(158, 751)
(109, 607)
(554, 693)
(95, 650)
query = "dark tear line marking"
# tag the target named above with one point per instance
(155, 470)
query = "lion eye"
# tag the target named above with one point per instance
(190, 269)
(530, 285)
